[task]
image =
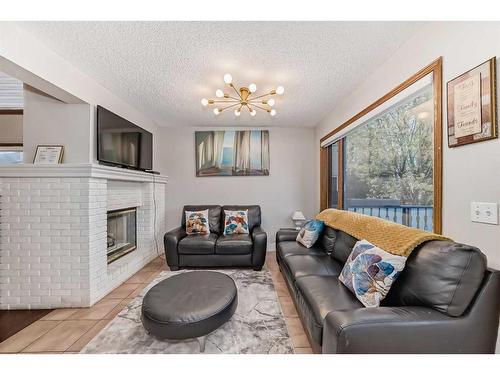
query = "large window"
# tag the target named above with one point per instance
(387, 161)
(11, 155)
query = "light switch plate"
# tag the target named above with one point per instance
(483, 212)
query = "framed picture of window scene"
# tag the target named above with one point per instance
(232, 153)
(472, 105)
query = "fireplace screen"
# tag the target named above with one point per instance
(122, 233)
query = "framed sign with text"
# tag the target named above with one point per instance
(472, 105)
(48, 154)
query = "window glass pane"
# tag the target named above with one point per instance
(389, 163)
(11, 157)
(333, 175)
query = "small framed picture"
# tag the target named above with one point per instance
(46, 154)
(472, 105)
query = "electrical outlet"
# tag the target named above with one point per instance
(482, 212)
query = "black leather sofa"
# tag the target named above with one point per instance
(445, 300)
(215, 249)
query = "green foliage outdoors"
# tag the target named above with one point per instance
(391, 156)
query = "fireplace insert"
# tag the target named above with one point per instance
(122, 233)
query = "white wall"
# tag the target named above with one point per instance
(471, 172)
(48, 121)
(289, 186)
(11, 128)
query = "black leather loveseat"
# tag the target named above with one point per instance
(215, 249)
(445, 300)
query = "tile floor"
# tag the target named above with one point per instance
(69, 330)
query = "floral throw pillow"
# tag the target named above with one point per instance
(197, 222)
(310, 232)
(370, 271)
(235, 222)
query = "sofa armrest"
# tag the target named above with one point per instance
(286, 235)
(393, 330)
(259, 239)
(171, 240)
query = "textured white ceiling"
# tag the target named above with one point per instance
(165, 68)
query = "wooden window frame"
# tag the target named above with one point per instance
(436, 67)
(11, 145)
(7, 111)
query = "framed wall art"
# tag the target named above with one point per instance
(232, 153)
(472, 105)
(48, 154)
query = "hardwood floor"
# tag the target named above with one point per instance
(13, 321)
(69, 330)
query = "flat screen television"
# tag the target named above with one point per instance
(122, 143)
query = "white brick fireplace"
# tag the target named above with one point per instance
(53, 232)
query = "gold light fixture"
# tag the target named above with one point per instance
(246, 98)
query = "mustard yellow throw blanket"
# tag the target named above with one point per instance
(391, 237)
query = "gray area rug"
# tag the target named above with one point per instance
(257, 327)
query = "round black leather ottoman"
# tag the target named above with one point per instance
(189, 305)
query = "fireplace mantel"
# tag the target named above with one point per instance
(80, 170)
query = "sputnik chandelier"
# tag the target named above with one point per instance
(246, 98)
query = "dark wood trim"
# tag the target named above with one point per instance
(11, 145)
(11, 111)
(438, 145)
(323, 177)
(326, 175)
(340, 177)
(436, 67)
(436, 64)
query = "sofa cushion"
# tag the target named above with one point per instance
(443, 275)
(254, 215)
(370, 272)
(287, 248)
(198, 244)
(234, 244)
(197, 222)
(310, 233)
(235, 222)
(327, 239)
(214, 216)
(317, 296)
(343, 246)
(305, 265)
